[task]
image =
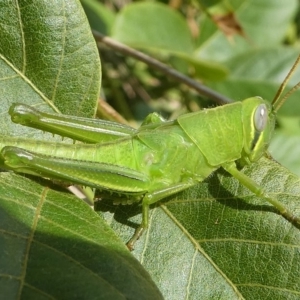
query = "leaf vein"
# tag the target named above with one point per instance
(201, 251)
(247, 241)
(22, 37)
(30, 83)
(30, 240)
(269, 287)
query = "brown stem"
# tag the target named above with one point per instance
(155, 64)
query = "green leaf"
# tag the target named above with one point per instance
(100, 17)
(260, 73)
(208, 3)
(55, 246)
(204, 69)
(162, 28)
(48, 57)
(218, 241)
(285, 147)
(258, 19)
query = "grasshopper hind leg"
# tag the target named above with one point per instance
(92, 174)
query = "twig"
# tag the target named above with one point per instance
(107, 112)
(200, 88)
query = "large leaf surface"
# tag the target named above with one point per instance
(151, 17)
(48, 58)
(218, 241)
(54, 246)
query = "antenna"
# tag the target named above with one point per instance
(277, 102)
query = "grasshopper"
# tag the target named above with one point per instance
(149, 163)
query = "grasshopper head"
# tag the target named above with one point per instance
(258, 125)
(259, 119)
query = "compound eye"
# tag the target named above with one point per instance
(260, 117)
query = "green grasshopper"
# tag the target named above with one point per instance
(150, 163)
